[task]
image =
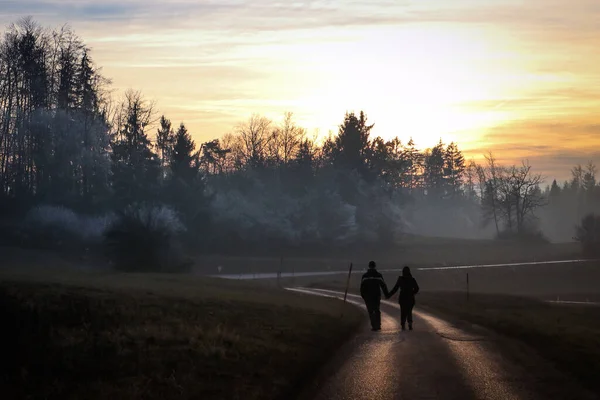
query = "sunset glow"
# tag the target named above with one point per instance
(520, 80)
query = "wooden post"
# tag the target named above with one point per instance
(348, 282)
(279, 272)
(346, 291)
(468, 286)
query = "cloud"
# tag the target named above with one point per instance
(75, 11)
(551, 147)
(274, 15)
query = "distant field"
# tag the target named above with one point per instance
(416, 252)
(72, 335)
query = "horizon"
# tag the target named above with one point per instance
(518, 81)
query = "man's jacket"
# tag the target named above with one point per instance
(372, 284)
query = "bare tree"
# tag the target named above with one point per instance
(489, 182)
(286, 139)
(509, 195)
(251, 142)
(524, 194)
(471, 175)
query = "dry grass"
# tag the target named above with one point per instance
(70, 335)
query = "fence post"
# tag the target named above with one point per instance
(279, 272)
(468, 289)
(347, 286)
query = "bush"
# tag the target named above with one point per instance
(58, 227)
(145, 239)
(588, 234)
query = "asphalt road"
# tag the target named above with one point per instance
(437, 360)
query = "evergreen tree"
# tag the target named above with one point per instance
(135, 166)
(186, 188)
(352, 143)
(305, 161)
(165, 138)
(183, 161)
(554, 191)
(67, 89)
(214, 157)
(454, 168)
(434, 176)
(415, 166)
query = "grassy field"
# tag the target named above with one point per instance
(422, 252)
(70, 334)
(413, 250)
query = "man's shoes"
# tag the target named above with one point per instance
(375, 329)
(403, 327)
(410, 327)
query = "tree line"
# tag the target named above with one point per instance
(66, 141)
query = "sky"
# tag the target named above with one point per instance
(518, 78)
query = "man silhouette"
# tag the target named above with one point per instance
(371, 285)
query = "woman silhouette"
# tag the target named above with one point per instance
(408, 288)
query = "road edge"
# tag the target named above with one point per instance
(308, 386)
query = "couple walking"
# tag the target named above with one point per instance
(371, 286)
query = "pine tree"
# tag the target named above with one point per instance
(94, 130)
(555, 191)
(352, 143)
(415, 166)
(165, 138)
(67, 93)
(454, 168)
(434, 177)
(186, 188)
(135, 166)
(213, 157)
(182, 163)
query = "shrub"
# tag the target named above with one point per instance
(145, 239)
(588, 234)
(58, 227)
